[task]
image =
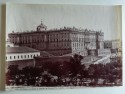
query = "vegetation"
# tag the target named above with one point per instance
(67, 74)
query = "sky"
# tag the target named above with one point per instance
(23, 17)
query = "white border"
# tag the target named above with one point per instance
(82, 2)
(97, 90)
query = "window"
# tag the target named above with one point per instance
(6, 57)
(21, 56)
(10, 57)
(14, 57)
(65, 40)
(25, 56)
(18, 57)
(28, 56)
(34, 55)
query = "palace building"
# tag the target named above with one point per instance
(60, 41)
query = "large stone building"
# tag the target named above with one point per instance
(60, 41)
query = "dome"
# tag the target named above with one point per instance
(41, 27)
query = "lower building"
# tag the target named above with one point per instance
(21, 56)
(104, 52)
(112, 44)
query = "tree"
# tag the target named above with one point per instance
(76, 64)
(91, 70)
(13, 70)
(55, 70)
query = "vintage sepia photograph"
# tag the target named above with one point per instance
(63, 46)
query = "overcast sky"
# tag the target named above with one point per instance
(28, 17)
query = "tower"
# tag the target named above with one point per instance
(41, 27)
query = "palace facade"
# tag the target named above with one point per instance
(60, 41)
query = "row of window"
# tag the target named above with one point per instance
(58, 40)
(78, 44)
(22, 56)
(78, 48)
(63, 45)
(50, 39)
(62, 35)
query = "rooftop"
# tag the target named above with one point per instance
(63, 29)
(21, 49)
(59, 30)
